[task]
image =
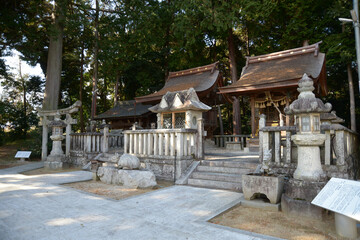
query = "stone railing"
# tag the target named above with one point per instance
(271, 138)
(116, 140)
(221, 140)
(86, 142)
(341, 144)
(95, 142)
(161, 143)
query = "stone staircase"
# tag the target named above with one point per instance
(221, 174)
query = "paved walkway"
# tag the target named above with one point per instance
(37, 207)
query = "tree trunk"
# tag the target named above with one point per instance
(233, 70)
(24, 101)
(82, 125)
(54, 61)
(96, 64)
(116, 97)
(352, 98)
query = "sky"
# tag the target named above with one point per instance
(13, 63)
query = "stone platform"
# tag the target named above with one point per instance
(36, 207)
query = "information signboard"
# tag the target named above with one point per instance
(340, 196)
(23, 154)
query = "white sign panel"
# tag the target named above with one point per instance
(23, 154)
(341, 196)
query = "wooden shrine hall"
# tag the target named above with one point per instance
(204, 79)
(125, 113)
(270, 81)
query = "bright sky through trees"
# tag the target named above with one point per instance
(13, 63)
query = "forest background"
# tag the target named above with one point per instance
(134, 44)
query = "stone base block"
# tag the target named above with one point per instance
(233, 146)
(302, 190)
(302, 208)
(272, 187)
(53, 165)
(128, 178)
(261, 204)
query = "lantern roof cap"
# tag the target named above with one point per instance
(307, 102)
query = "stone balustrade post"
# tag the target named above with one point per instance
(45, 133)
(105, 144)
(88, 142)
(141, 148)
(277, 147)
(179, 144)
(288, 147)
(327, 147)
(199, 140)
(126, 143)
(156, 145)
(172, 144)
(167, 144)
(131, 145)
(265, 142)
(340, 148)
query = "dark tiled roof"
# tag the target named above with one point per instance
(200, 78)
(281, 69)
(125, 109)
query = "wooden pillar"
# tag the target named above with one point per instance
(253, 125)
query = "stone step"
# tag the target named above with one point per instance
(230, 170)
(215, 184)
(230, 164)
(217, 176)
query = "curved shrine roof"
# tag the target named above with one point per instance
(200, 78)
(280, 70)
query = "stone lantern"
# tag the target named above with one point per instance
(307, 109)
(57, 156)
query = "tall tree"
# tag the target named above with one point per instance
(54, 61)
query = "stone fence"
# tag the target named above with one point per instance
(338, 154)
(96, 142)
(222, 140)
(161, 143)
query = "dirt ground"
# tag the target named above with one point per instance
(7, 154)
(114, 191)
(277, 224)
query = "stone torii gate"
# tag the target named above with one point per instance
(44, 122)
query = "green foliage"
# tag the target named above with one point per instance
(141, 41)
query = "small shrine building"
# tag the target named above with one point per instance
(205, 80)
(270, 82)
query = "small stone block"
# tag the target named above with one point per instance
(261, 204)
(53, 165)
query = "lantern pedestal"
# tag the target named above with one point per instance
(309, 165)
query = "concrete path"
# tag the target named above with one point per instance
(36, 207)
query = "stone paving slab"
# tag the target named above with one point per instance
(36, 207)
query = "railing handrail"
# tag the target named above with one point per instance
(241, 135)
(87, 134)
(176, 130)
